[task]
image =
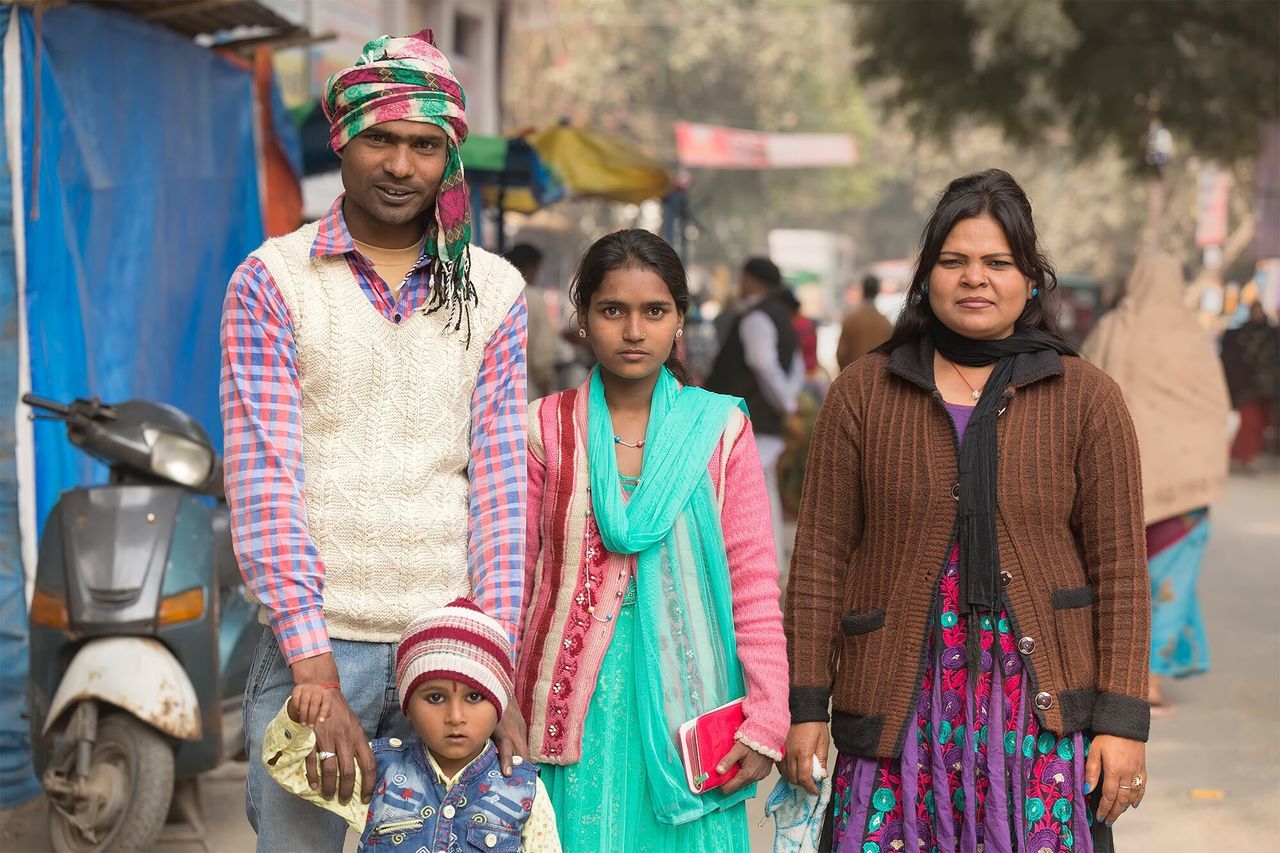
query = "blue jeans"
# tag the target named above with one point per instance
(285, 822)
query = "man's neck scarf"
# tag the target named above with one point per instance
(410, 79)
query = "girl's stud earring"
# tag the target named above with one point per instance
(582, 333)
(1035, 291)
(679, 332)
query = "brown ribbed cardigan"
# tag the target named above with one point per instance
(877, 519)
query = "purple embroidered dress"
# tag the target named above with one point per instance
(976, 773)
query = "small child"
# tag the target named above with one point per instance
(445, 791)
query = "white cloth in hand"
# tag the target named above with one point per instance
(797, 814)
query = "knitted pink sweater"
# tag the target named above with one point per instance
(561, 646)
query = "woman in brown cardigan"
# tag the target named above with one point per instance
(968, 591)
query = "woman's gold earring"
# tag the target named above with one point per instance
(582, 333)
(679, 332)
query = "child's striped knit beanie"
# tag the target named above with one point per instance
(460, 642)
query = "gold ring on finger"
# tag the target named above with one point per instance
(1137, 780)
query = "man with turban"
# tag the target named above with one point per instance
(373, 402)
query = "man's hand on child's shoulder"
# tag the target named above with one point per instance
(310, 704)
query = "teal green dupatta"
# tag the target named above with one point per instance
(687, 656)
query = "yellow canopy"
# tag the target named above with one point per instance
(594, 165)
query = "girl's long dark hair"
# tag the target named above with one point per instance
(632, 249)
(996, 194)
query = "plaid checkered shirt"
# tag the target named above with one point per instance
(261, 413)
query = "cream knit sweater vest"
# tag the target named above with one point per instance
(386, 436)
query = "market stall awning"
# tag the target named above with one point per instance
(599, 167)
(528, 172)
(509, 173)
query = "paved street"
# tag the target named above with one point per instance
(1214, 762)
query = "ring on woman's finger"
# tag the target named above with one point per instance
(1137, 780)
(322, 755)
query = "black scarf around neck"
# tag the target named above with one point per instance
(979, 550)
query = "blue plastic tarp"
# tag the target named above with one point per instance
(141, 160)
(142, 197)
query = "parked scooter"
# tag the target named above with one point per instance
(141, 634)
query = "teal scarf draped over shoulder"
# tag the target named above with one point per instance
(687, 658)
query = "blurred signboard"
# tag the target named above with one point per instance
(710, 146)
(817, 264)
(1212, 186)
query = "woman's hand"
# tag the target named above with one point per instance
(804, 741)
(1119, 762)
(752, 767)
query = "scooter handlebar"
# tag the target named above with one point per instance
(81, 410)
(47, 405)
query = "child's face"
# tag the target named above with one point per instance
(453, 719)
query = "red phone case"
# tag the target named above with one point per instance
(704, 741)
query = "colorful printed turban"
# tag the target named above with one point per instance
(410, 79)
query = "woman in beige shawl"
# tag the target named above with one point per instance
(1173, 384)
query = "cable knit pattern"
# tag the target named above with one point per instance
(561, 646)
(878, 517)
(385, 437)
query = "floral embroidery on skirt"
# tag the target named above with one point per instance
(976, 773)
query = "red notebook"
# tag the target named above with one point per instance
(704, 741)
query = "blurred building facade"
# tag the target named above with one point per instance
(470, 32)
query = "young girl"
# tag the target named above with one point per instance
(653, 593)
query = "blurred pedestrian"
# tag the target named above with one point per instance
(864, 328)
(968, 590)
(540, 350)
(397, 396)
(700, 344)
(798, 426)
(806, 332)
(761, 363)
(1251, 356)
(654, 593)
(1164, 361)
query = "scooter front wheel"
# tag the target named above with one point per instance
(125, 798)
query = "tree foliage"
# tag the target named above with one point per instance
(631, 68)
(1209, 69)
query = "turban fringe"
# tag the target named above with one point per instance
(410, 79)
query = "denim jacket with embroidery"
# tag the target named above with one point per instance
(411, 809)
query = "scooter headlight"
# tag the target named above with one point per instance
(179, 459)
